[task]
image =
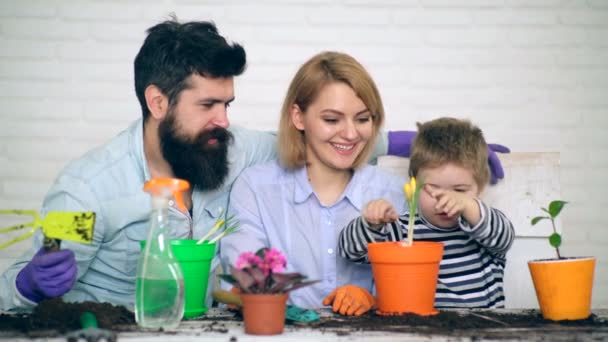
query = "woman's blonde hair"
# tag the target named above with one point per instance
(321, 70)
(450, 140)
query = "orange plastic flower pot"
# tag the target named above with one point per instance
(264, 314)
(405, 276)
(563, 287)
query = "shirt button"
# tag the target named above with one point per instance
(330, 251)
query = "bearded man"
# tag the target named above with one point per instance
(184, 83)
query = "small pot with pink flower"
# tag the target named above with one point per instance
(264, 290)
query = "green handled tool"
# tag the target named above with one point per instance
(90, 331)
(56, 226)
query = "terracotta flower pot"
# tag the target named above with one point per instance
(563, 287)
(405, 276)
(264, 314)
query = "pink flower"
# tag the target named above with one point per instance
(274, 261)
(261, 272)
(248, 259)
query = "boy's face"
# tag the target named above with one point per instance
(450, 177)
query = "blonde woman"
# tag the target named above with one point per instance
(330, 119)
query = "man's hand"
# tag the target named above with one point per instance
(47, 275)
(350, 300)
(379, 212)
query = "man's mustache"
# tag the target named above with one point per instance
(222, 136)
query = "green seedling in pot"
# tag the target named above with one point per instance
(56, 226)
(555, 207)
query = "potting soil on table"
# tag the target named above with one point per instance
(54, 318)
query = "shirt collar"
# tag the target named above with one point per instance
(354, 189)
(302, 187)
(136, 135)
(353, 192)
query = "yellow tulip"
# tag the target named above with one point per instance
(408, 191)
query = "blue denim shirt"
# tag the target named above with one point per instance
(109, 181)
(278, 208)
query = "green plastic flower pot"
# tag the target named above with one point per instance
(195, 263)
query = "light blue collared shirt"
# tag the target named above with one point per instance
(109, 181)
(278, 208)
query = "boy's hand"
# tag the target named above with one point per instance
(379, 212)
(454, 203)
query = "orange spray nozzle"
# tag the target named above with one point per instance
(162, 186)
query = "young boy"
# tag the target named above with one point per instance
(449, 157)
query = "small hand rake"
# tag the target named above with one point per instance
(56, 226)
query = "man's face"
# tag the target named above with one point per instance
(193, 136)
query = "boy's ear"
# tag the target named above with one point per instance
(297, 117)
(156, 101)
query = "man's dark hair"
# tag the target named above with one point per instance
(173, 51)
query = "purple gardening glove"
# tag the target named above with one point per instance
(47, 275)
(400, 142)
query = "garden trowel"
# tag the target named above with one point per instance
(56, 226)
(292, 312)
(90, 330)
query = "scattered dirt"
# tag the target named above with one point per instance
(450, 321)
(55, 318)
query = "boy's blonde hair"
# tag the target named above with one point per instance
(450, 140)
(321, 70)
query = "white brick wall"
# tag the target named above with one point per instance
(532, 73)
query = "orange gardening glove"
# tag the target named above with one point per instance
(350, 300)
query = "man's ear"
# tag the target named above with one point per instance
(297, 117)
(156, 101)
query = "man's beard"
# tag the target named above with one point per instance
(204, 166)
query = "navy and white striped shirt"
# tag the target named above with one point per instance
(471, 271)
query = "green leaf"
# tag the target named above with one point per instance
(555, 207)
(262, 252)
(228, 278)
(538, 218)
(244, 279)
(555, 240)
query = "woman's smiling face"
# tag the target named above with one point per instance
(337, 126)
